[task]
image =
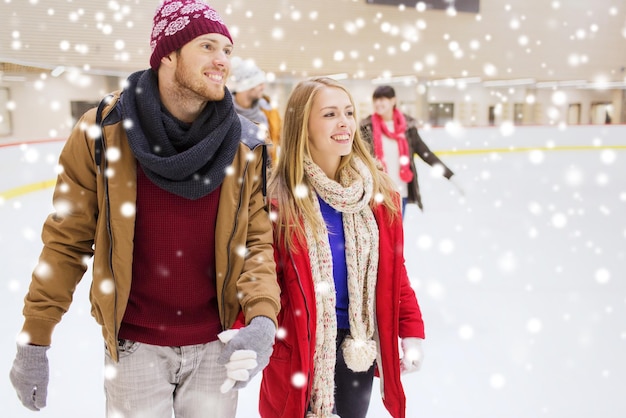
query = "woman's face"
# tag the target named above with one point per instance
(331, 128)
(384, 107)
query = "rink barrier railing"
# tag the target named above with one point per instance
(42, 185)
(529, 149)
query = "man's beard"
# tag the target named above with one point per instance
(190, 83)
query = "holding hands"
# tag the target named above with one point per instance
(247, 351)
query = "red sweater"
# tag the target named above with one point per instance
(173, 298)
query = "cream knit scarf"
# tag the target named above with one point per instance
(351, 197)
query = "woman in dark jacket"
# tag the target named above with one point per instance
(394, 140)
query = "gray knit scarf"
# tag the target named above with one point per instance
(254, 113)
(189, 160)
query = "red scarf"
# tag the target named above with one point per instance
(399, 127)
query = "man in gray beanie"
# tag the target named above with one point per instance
(247, 83)
(168, 199)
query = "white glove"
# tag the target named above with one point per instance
(413, 354)
(457, 185)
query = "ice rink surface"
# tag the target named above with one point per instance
(521, 280)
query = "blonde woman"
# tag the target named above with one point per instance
(346, 301)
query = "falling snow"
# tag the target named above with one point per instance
(523, 301)
(520, 278)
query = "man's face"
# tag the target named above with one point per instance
(203, 65)
(255, 93)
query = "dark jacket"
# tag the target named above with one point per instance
(416, 146)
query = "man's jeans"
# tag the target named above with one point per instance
(160, 382)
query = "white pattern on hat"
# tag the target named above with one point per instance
(178, 22)
(177, 25)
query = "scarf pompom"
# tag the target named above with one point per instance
(359, 354)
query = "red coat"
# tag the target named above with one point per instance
(397, 314)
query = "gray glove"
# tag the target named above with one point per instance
(247, 352)
(29, 375)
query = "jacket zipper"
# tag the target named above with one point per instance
(107, 205)
(228, 249)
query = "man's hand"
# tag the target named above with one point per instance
(30, 374)
(247, 351)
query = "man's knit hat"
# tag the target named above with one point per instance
(245, 75)
(177, 22)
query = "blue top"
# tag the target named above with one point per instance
(336, 238)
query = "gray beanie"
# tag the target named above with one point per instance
(245, 75)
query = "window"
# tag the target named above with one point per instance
(472, 6)
(492, 115)
(518, 113)
(601, 113)
(5, 115)
(440, 113)
(80, 107)
(573, 114)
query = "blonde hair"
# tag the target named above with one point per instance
(288, 175)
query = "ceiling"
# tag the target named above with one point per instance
(543, 40)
